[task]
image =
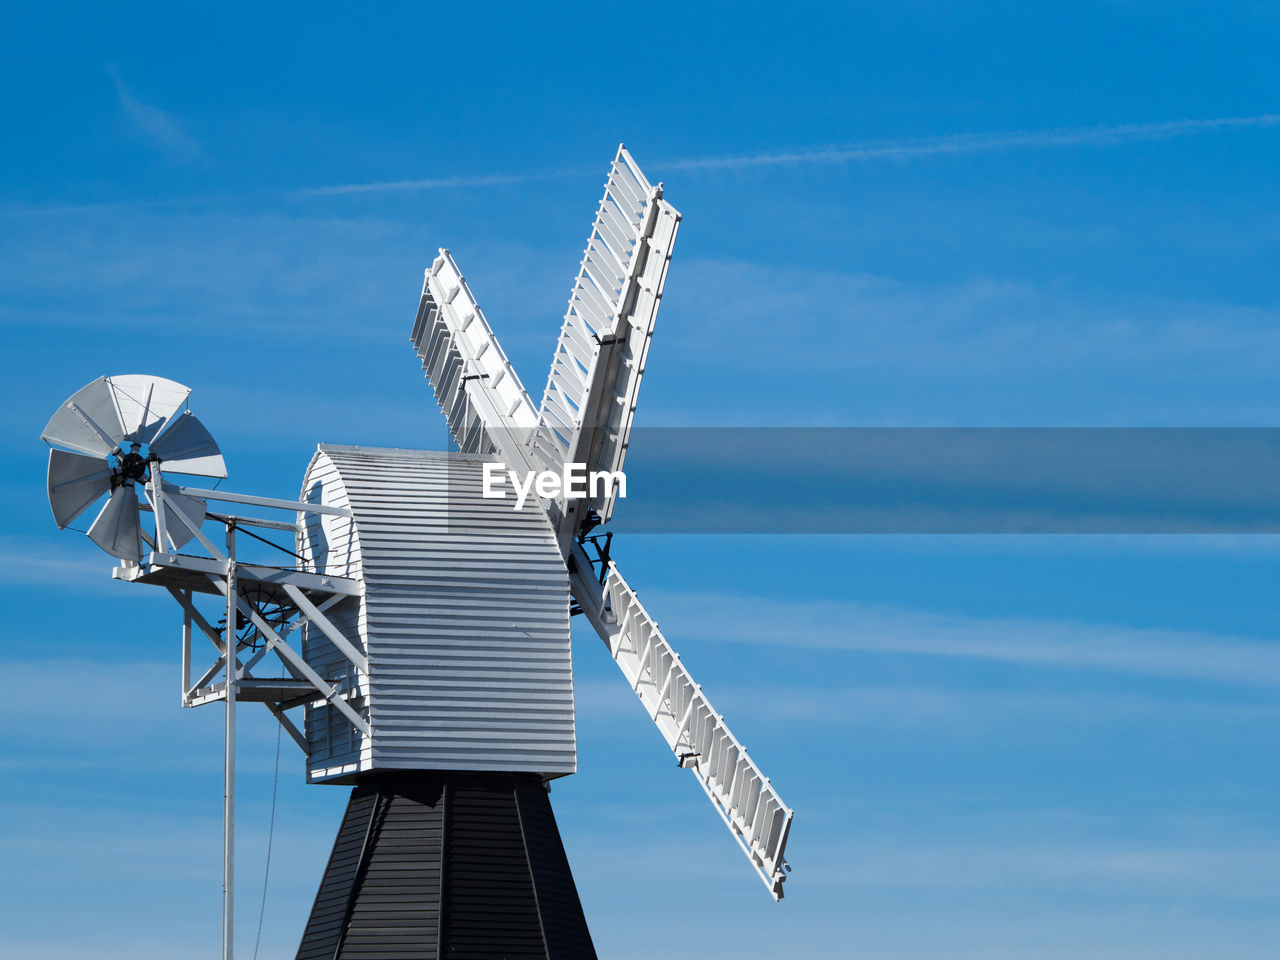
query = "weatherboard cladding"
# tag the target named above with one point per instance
(330, 546)
(447, 865)
(465, 619)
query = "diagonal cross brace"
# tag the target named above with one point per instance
(296, 663)
(198, 618)
(193, 527)
(295, 625)
(326, 626)
(208, 630)
(285, 722)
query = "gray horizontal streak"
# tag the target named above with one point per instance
(952, 480)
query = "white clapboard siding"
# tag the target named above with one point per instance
(335, 747)
(464, 619)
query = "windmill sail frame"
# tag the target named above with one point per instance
(696, 733)
(590, 397)
(585, 417)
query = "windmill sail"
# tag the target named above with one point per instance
(178, 531)
(75, 482)
(585, 417)
(484, 403)
(695, 732)
(186, 446)
(112, 410)
(116, 530)
(590, 397)
(89, 421)
(146, 403)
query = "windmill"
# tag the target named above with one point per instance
(433, 666)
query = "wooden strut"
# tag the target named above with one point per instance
(362, 865)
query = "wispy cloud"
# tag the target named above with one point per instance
(153, 123)
(79, 208)
(944, 709)
(1100, 135)
(988, 352)
(37, 561)
(1232, 870)
(430, 183)
(177, 263)
(1057, 644)
(1004, 849)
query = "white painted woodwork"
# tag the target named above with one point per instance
(464, 619)
(695, 732)
(590, 397)
(484, 403)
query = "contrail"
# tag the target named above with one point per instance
(979, 142)
(434, 183)
(868, 150)
(953, 144)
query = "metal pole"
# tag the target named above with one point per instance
(229, 761)
(155, 485)
(186, 653)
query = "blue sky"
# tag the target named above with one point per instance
(914, 214)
